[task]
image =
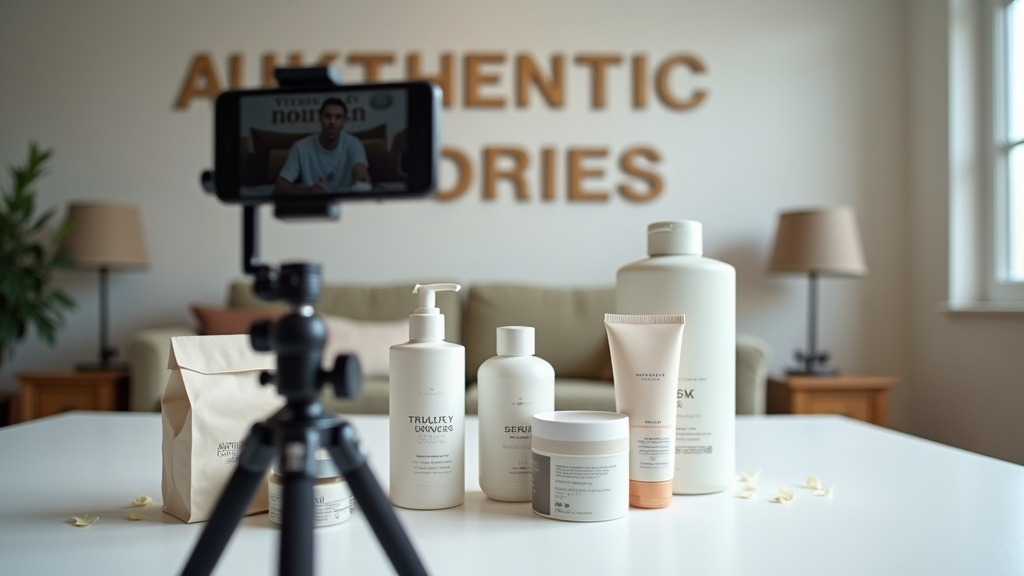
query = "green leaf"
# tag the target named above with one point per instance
(28, 254)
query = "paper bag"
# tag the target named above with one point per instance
(212, 399)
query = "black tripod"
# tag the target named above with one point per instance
(298, 429)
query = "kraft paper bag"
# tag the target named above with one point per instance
(212, 399)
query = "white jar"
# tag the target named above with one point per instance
(581, 465)
(513, 386)
(677, 279)
(332, 499)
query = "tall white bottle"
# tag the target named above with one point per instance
(513, 386)
(677, 279)
(428, 411)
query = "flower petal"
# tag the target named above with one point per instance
(142, 501)
(827, 492)
(84, 521)
(813, 483)
(136, 517)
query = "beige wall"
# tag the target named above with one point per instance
(968, 389)
(808, 103)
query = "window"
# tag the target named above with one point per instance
(1008, 183)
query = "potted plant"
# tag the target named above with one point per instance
(29, 252)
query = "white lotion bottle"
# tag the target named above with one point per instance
(512, 386)
(678, 279)
(427, 411)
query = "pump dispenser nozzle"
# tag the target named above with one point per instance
(427, 322)
(427, 298)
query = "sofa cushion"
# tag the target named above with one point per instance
(216, 321)
(370, 341)
(569, 325)
(394, 302)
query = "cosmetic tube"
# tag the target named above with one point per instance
(645, 365)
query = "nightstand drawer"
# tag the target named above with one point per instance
(48, 393)
(862, 397)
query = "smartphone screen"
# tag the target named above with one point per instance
(349, 142)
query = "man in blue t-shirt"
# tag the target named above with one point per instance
(326, 162)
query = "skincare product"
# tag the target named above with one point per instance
(677, 279)
(580, 465)
(513, 386)
(427, 411)
(332, 499)
(645, 365)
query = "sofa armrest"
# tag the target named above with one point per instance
(753, 359)
(148, 352)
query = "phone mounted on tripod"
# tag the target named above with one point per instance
(303, 425)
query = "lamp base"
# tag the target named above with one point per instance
(100, 366)
(814, 363)
(814, 371)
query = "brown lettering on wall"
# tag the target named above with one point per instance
(551, 88)
(639, 81)
(371, 63)
(665, 95)
(548, 173)
(598, 63)
(295, 60)
(492, 173)
(578, 172)
(445, 78)
(464, 174)
(202, 81)
(628, 164)
(475, 78)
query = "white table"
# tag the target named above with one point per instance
(901, 506)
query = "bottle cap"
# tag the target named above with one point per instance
(650, 494)
(515, 341)
(675, 237)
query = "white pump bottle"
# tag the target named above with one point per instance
(427, 411)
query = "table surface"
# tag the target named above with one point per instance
(901, 505)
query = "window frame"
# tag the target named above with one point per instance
(999, 286)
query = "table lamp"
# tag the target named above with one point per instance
(818, 242)
(103, 237)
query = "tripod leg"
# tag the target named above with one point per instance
(351, 461)
(252, 465)
(298, 464)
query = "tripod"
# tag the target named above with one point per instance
(298, 429)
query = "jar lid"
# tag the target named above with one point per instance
(580, 425)
(325, 466)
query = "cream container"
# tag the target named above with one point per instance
(645, 365)
(580, 465)
(332, 499)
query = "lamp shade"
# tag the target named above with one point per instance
(825, 241)
(105, 236)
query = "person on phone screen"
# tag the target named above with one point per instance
(330, 161)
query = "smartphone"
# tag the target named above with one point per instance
(361, 141)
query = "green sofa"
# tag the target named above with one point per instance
(570, 334)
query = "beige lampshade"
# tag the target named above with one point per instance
(824, 240)
(105, 235)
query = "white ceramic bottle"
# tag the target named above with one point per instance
(427, 407)
(677, 279)
(513, 386)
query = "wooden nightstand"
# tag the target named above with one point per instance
(47, 393)
(862, 397)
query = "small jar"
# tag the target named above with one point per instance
(332, 499)
(580, 465)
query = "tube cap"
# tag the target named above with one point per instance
(650, 494)
(682, 237)
(515, 341)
